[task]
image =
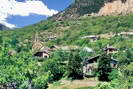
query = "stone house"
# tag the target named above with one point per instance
(90, 65)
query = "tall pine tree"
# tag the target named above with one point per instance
(104, 67)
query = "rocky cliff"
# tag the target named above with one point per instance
(116, 7)
(95, 7)
(79, 8)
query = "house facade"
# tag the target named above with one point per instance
(90, 65)
(110, 49)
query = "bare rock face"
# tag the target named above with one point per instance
(79, 8)
(95, 8)
(116, 7)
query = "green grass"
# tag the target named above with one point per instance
(64, 88)
(86, 88)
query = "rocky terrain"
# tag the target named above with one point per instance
(95, 8)
(79, 8)
(116, 7)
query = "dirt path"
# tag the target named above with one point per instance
(76, 84)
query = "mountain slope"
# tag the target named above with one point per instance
(3, 27)
(95, 8)
(70, 31)
(66, 34)
(79, 8)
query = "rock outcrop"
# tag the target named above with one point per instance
(79, 8)
(95, 8)
(116, 7)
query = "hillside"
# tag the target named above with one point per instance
(95, 8)
(82, 26)
(54, 54)
(2, 27)
(79, 8)
(67, 33)
(63, 30)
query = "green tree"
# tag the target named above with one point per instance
(74, 67)
(104, 67)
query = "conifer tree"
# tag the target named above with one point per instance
(104, 67)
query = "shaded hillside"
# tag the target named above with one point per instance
(2, 27)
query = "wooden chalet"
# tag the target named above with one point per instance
(90, 65)
(110, 49)
(44, 52)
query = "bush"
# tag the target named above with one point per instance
(114, 74)
(55, 68)
(41, 82)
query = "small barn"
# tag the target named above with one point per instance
(110, 49)
(42, 54)
(90, 65)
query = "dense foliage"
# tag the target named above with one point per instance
(19, 67)
(104, 67)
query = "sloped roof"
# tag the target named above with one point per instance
(95, 59)
(109, 47)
